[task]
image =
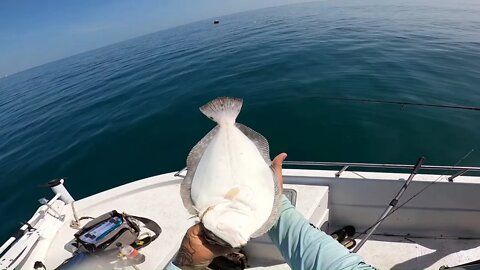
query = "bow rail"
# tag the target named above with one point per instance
(459, 170)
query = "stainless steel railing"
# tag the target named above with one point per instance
(458, 170)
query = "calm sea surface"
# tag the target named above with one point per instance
(130, 110)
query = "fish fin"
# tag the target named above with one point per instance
(260, 142)
(262, 145)
(223, 109)
(192, 162)
(276, 209)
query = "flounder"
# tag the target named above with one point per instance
(230, 184)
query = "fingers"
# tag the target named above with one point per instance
(219, 250)
(195, 236)
(195, 251)
(277, 168)
(195, 230)
(199, 231)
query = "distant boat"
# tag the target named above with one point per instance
(216, 22)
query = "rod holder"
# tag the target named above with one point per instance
(58, 188)
(344, 168)
(179, 173)
(460, 173)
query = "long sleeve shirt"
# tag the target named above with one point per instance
(305, 247)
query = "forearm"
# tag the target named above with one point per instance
(305, 247)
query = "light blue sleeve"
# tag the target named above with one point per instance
(171, 266)
(307, 248)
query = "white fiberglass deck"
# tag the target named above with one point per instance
(426, 231)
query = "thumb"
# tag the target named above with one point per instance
(277, 168)
(278, 161)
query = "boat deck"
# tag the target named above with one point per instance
(425, 233)
(403, 252)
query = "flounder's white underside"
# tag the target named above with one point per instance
(233, 176)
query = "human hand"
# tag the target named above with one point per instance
(277, 169)
(195, 251)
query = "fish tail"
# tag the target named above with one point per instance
(223, 110)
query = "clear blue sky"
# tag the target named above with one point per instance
(34, 32)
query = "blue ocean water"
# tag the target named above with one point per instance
(130, 110)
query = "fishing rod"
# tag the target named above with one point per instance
(392, 204)
(404, 103)
(416, 194)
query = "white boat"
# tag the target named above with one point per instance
(438, 227)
